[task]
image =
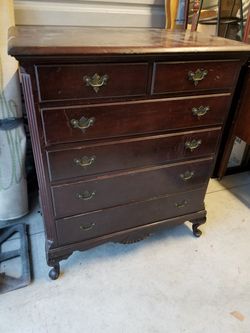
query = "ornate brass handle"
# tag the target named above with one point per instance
(87, 227)
(197, 76)
(200, 111)
(192, 145)
(86, 195)
(187, 175)
(96, 81)
(85, 161)
(181, 204)
(82, 123)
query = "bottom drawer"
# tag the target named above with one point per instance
(98, 223)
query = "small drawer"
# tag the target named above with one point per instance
(107, 221)
(62, 125)
(194, 76)
(138, 185)
(91, 159)
(74, 82)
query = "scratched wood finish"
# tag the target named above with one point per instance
(42, 40)
(124, 119)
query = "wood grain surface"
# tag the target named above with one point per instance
(59, 40)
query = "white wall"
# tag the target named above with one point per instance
(133, 13)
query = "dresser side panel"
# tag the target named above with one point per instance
(39, 156)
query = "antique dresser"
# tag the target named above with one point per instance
(125, 127)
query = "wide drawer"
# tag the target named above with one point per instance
(194, 76)
(107, 221)
(138, 185)
(90, 159)
(62, 125)
(73, 82)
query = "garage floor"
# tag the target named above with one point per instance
(170, 282)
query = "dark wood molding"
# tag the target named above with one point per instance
(44, 193)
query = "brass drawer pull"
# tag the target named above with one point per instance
(187, 175)
(197, 76)
(87, 227)
(82, 123)
(86, 195)
(181, 204)
(200, 111)
(85, 161)
(96, 81)
(192, 145)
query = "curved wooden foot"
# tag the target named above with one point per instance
(55, 272)
(197, 232)
(196, 223)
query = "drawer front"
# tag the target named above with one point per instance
(103, 222)
(138, 185)
(73, 82)
(98, 122)
(117, 155)
(194, 76)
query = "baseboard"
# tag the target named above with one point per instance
(143, 13)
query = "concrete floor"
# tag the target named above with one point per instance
(170, 282)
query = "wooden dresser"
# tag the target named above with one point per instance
(125, 127)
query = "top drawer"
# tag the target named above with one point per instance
(74, 82)
(194, 76)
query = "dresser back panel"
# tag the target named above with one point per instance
(243, 121)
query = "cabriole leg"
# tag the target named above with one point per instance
(196, 223)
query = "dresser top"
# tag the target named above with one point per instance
(68, 40)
